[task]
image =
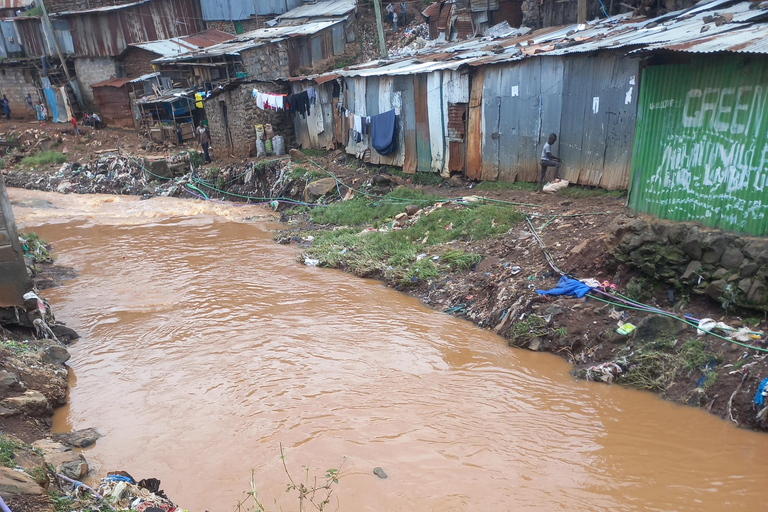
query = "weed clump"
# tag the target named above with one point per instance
(44, 158)
(400, 255)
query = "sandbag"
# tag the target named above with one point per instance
(555, 185)
(261, 150)
(268, 146)
(259, 131)
(268, 131)
(278, 144)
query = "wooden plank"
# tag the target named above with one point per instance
(474, 134)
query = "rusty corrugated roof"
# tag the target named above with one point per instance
(445, 16)
(113, 82)
(432, 10)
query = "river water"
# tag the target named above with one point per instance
(205, 345)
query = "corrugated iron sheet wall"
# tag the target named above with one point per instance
(598, 119)
(589, 102)
(231, 10)
(105, 34)
(701, 147)
(265, 7)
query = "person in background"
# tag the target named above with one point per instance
(204, 139)
(30, 105)
(403, 17)
(6, 108)
(394, 21)
(548, 160)
(74, 126)
(390, 12)
(39, 111)
(44, 111)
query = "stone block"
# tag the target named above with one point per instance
(758, 293)
(748, 268)
(732, 259)
(715, 289)
(692, 267)
(692, 247)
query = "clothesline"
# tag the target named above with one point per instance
(298, 103)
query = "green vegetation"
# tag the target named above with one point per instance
(8, 449)
(506, 185)
(35, 248)
(196, 158)
(655, 366)
(16, 347)
(310, 152)
(35, 11)
(418, 178)
(299, 172)
(524, 330)
(343, 62)
(400, 256)
(582, 192)
(44, 158)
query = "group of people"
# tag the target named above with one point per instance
(395, 18)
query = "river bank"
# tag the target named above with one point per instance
(482, 258)
(229, 330)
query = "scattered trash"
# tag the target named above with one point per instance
(311, 262)
(420, 257)
(554, 186)
(515, 270)
(567, 286)
(626, 329)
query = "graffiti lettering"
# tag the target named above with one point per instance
(728, 109)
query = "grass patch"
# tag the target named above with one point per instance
(393, 254)
(655, 366)
(44, 158)
(582, 192)
(35, 11)
(460, 260)
(418, 178)
(8, 449)
(310, 152)
(299, 172)
(360, 210)
(16, 347)
(506, 185)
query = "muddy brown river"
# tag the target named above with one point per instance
(205, 345)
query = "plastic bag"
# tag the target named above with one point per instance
(259, 131)
(268, 131)
(268, 146)
(554, 186)
(278, 144)
(261, 150)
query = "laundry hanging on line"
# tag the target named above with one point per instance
(269, 101)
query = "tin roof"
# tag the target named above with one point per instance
(101, 9)
(14, 4)
(119, 82)
(254, 39)
(319, 9)
(717, 26)
(178, 45)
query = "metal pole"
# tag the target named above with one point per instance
(380, 27)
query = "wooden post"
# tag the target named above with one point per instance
(380, 27)
(581, 12)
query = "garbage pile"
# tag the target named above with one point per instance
(120, 492)
(413, 39)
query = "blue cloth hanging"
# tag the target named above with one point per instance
(384, 133)
(567, 286)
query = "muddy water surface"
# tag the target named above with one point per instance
(205, 345)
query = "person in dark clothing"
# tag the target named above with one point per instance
(403, 17)
(548, 160)
(6, 107)
(204, 139)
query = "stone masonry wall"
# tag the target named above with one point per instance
(15, 83)
(137, 62)
(248, 25)
(243, 115)
(266, 63)
(730, 268)
(91, 70)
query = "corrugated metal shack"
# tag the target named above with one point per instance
(295, 45)
(486, 107)
(107, 31)
(113, 100)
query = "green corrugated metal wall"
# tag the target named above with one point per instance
(701, 144)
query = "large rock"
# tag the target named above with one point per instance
(297, 156)
(716, 289)
(319, 188)
(64, 333)
(732, 259)
(62, 458)
(55, 354)
(15, 482)
(657, 327)
(10, 383)
(78, 438)
(758, 294)
(32, 403)
(691, 268)
(158, 169)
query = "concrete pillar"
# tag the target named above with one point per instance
(14, 281)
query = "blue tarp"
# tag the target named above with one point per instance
(567, 286)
